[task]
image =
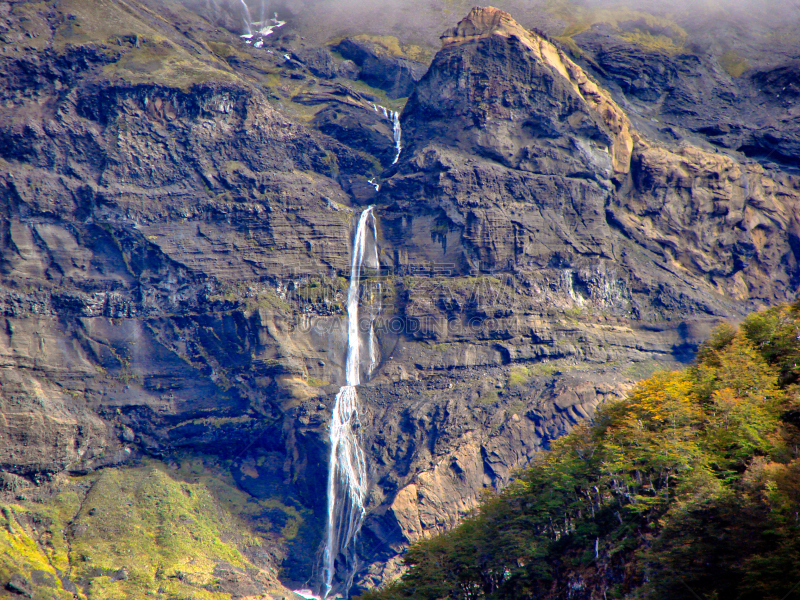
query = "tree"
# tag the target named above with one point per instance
(690, 487)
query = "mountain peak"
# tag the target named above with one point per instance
(485, 25)
(483, 22)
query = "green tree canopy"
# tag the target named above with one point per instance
(689, 488)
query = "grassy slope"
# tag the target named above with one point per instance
(141, 44)
(148, 531)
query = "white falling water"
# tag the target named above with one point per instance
(347, 473)
(397, 132)
(246, 16)
(263, 27)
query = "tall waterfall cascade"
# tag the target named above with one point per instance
(347, 472)
(248, 32)
(397, 132)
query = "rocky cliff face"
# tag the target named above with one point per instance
(175, 232)
(519, 165)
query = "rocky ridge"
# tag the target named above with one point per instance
(525, 168)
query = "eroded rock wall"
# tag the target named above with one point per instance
(173, 256)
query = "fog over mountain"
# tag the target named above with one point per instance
(752, 27)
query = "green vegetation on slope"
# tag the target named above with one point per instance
(135, 42)
(647, 31)
(733, 64)
(689, 488)
(154, 59)
(143, 532)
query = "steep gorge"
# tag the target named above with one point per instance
(175, 241)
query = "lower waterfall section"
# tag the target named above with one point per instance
(347, 471)
(347, 488)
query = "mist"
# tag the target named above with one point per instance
(756, 29)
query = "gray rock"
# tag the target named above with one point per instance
(393, 74)
(17, 584)
(128, 434)
(322, 63)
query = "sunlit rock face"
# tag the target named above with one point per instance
(533, 162)
(176, 218)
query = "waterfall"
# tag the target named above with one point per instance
(397, 132)
(347, 472)
(263, 29)
(246, 16)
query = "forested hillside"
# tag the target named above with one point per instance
(689, 488)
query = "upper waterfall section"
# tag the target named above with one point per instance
(510, 94)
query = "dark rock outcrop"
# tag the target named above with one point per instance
(395, 75)
(322, 63)
(718, 95)
(359, 127)
(19, 586)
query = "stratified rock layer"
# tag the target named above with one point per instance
(517, 164)
(175, 226)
